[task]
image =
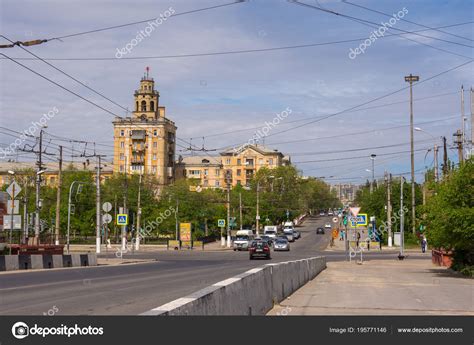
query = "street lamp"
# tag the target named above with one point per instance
(372, 158)
(257, 218)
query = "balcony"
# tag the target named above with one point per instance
(138, 161)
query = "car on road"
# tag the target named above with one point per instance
(330, 213)
(258, 249)
(322, 214)
(320, 231)
(270, 231)
(289, 233)
(243, 239)
(296, 234)
(327, 226)
(268, 239)
(281, 244)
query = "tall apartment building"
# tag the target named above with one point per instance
(209, 171)
(145, 142)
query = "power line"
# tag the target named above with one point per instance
(406, 20)
(296, 2)
(241, 51)
(143, 21)
(370, 101)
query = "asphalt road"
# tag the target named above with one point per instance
(135, 288)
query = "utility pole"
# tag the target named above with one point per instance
(228, 211)
(25, 213)
(176, 220)
(472, 121)
(458, 141)
(139, 212)
(98, 213)
(463, 119)
(38, 185)
(389, 209)
(401, 255)
(240, 209)
(372, 158)
(58, 196)
(125, 210)
(412, 78)
(445, 158)
(257, 218)
(436, 174)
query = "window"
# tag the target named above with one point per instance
(206, 171)
(122, 132)
(205, 183)
(239, 172)
(52, 180)
(121, 168)
(143, 106)
(122, 144)
(239, 183)
(155, 132)
(155, 144)
(260, 161)
(194, 172)
(227, 161)
(153, 169)
(122, 156)
(152, 106)
(270, 161)
(218, 172)
(154, 156)
(239, 161)
(217, 184)
(137, 106)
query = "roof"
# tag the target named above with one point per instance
(201, 160)
(259, 148)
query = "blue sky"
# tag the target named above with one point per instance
(224, 93)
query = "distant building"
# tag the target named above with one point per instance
(345, 192)
(244, 164)
(145, 142)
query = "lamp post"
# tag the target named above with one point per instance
(372, 158)
(410, 79)
(257, 217)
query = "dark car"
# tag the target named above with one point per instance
(268, 239)
(320, 231)
(260, 249)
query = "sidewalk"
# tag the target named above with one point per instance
(339, 246)
(382, 287)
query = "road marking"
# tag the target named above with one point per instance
(175, 304)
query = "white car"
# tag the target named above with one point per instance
(327, 226)
(243, 239)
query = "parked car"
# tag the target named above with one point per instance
(259, 248)
(281, 244)
(327, 226)
(243, 239)
(320, 231)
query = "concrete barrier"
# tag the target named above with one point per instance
(41, 261)
(251, 293)
(36, 261)
(9, 263)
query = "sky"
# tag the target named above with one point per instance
(226, 98)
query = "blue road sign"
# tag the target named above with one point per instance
(122, 219)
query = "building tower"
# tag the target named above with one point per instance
(145, 142)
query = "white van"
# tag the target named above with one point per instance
(270, 231)
(243, 239)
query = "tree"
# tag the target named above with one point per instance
(450, 215)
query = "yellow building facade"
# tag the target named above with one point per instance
(145, 142)
(209, 171)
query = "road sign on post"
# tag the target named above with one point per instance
(354, 211)
(122, 219)
(107, 206)
(360, 220)
(16, 222)
(13, 189)
(221, 223)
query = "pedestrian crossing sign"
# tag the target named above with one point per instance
(122, 219)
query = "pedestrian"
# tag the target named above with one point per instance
(358, 238)
(380, 240)
(424, 244)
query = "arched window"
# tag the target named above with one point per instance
(152, 106)
(143, 106)
(137, 106)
